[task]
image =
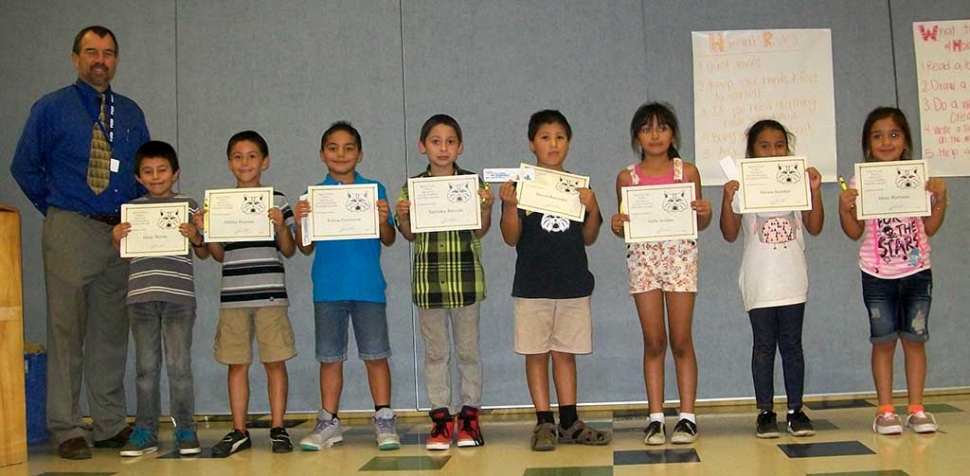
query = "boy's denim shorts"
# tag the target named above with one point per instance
(898, 307)
(370, 330)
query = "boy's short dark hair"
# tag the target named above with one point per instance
(439, 119)
(548, 116)
(251, 136)
(156, 149)
(341, 126)
(97, 30)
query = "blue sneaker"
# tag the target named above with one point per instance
(141, 442)
(187, 441)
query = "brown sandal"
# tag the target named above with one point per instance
(582, 434)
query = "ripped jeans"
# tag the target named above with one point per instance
(898, 307)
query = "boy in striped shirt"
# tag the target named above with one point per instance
(161, 308)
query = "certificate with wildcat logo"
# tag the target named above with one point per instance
(154, 229)
(552, 192)
(659, 212)
(343, 212)
(894, 189)
(774, 184)
(445, 203)
(238, 214)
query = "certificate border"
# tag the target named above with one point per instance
(803, 161)
(628, 236)
(125, 253)
(420, 228)
(341, 188)
(860, 203)
(521, 186)
(269, 236)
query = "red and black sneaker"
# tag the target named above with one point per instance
(469, 432)
(442, 429)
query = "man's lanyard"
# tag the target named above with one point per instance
(109, 106)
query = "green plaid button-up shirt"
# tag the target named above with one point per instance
(447, 271)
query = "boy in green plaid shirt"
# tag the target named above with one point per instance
(448, 286)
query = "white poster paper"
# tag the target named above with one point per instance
(943, 79)
(744, 76)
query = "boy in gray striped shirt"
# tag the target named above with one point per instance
(161, 308)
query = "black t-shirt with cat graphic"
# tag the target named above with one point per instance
(551, 260)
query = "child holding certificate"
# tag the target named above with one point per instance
(664, 272)
(254, 302)
(161, 308)
(448, 287)
(896, 278)
(552, 289)
(774, 283)
(348, 284)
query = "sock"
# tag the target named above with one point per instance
(689, 416)
(659, 416)
(886, 409)
(545, 417)
(915, 408)
(567, 415)
(333, 415)
(378, 408)
(791, 411)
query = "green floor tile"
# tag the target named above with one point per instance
(74, 473)
(577, 471)
(895, 472)
(406, 463)
(902, 410)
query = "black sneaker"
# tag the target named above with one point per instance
(799, 424)
(685, 432)
(234, 442)
(280, 439)
(767, 425)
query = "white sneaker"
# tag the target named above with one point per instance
(921, 422)
(887, 424)
(325, 434)
(385, 430)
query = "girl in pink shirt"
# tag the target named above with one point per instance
(896, 277)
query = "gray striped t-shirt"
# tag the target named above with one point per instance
(163, 278)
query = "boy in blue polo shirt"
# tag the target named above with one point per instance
(348, 284)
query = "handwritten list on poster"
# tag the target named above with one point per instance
(744, 76)
(943, 79)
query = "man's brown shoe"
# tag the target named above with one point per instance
(116, 441)
(75, 448)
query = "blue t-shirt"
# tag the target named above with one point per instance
(349, 270)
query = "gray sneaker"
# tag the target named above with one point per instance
(887, 424)
(385, 430)
(325, 434)
(921, 422)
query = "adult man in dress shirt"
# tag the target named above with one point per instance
(74, 162)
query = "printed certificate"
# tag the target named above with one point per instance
(774, 184)
(892, 190)
(552, 192)
(445, 203)
(154, 229)
(659, 212)
(343, 212)
(238, 214)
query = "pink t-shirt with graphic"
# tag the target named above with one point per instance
(893, 247)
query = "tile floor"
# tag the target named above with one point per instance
(844, 445)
